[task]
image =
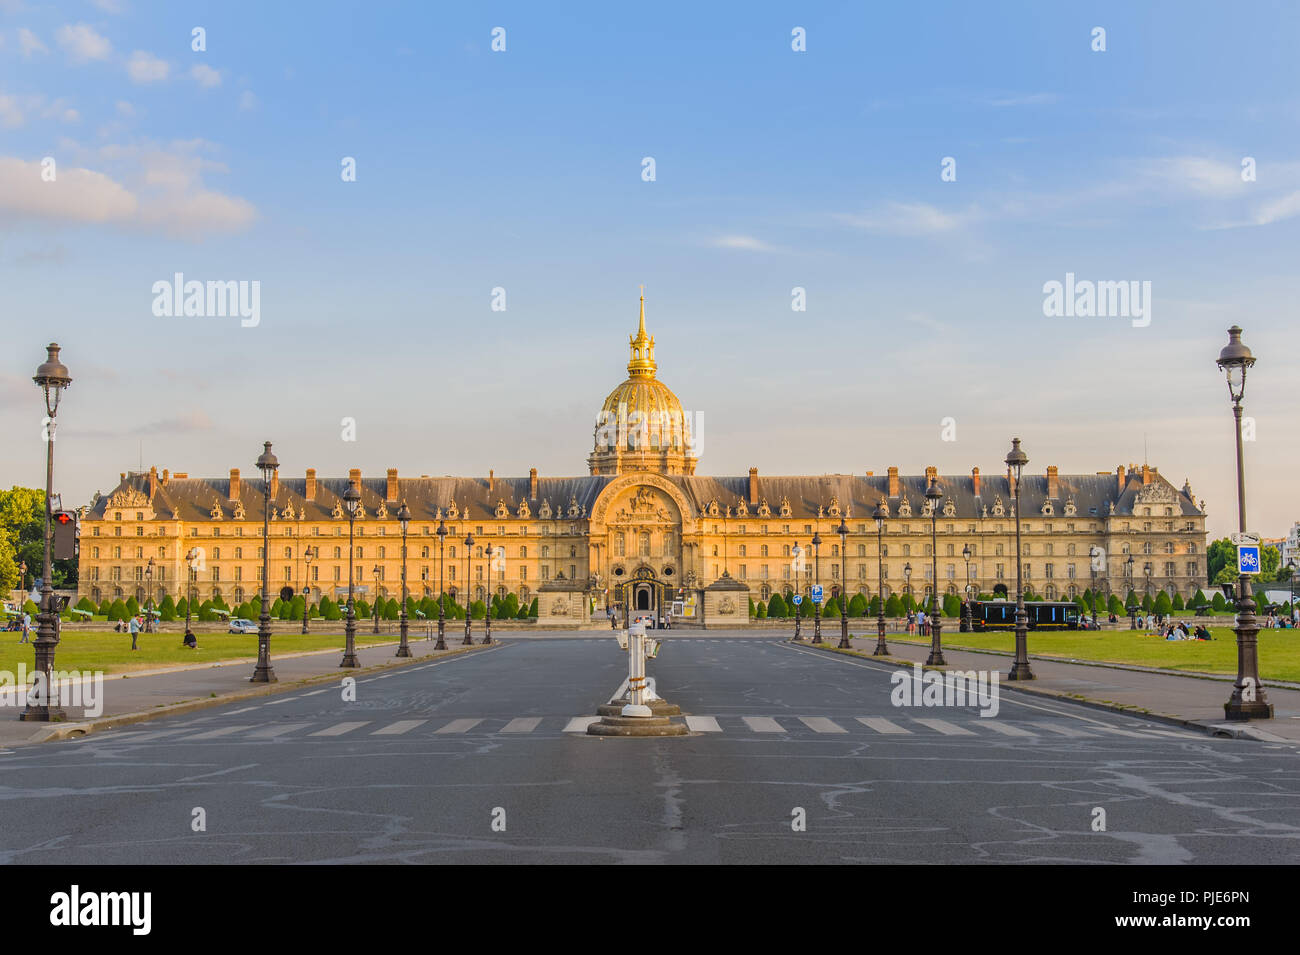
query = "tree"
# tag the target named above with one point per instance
(1178, 603)
(951, 605)
(909, 604)
(1220, 554)
(1114, 606)
(132, 606)
(166, 610)
(1270, 559)
(29, 606)
(858, 606)
(532, 609)
(1147, 603)
(893, 606)
(752, 609)
(1219, 603)
(330, 609)
(295, 609)
(760, 611)
(1199, 599)
(523, 613)
(1162, 604)
(118, 610)
(832, 608)
(478, 610)
(22, 539)
(361, 609)
(776, 607)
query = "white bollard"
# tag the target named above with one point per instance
(636, 672)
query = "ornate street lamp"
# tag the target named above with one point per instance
(1016, 461)
(148, 602)
(469, 614)
(307, 556)
(190, 556)
(843, 531)
(22, 584)
(1248, 700)
(797, 553)
(934, 494)
(52, 376)
(442, 594)
(879, 516)
(376, 573)
(351, 499)
(404, 519)
(487, 592)
(817, 572)
(965, 624)
(262, 673)
(1094, 553)
(1132, 604)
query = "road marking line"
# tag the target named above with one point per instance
(1006, 729)
(579, 724)
(703, 724)
(522, 724)
(820, 724)
(156, 734)
(1062, 730)
(459, 726)
(882, 726)
(944, 727)
(763, 724)
(314, 692)
(339, 729)
(244, 710)
(270, 732)
(398, 728)
(219, 731)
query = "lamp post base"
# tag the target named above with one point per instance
(935, 659)
(1020, 671)
(350, 661)
(263, 673)
(403, 651)
(1240, 711)
(42, 714)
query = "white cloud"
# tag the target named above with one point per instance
(108, 6)
(10, 113)
(746, 242)
(909, 218)
(125, 108)
(206, 76)
(247, 100)
(146, 68)
(30, 43)
(1205, 177)
(76, 195)
(1287, 207)
(82, 44)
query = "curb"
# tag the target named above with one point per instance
(63, 731)
(1221, 730)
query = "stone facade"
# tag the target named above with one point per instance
(642, 526)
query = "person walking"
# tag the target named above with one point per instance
(27, 627)
(134, 627)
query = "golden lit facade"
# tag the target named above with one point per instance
(643, 528)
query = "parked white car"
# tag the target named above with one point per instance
(240, 625)
(645, 618)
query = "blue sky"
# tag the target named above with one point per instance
(774, 169)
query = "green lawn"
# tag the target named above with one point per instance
(1279, 650)
(111, 652)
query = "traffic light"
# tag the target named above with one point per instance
(65, 535)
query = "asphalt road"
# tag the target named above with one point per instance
(482, 759)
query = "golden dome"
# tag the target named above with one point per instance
(642, 415)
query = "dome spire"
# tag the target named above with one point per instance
(642, 363)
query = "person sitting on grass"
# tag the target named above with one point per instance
(190, 641)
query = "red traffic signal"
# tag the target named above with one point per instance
(65, 535)
(64, 517)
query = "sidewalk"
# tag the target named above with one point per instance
(1192, 701)
(130, 698)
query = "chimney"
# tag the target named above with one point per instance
(391, 493)
(492, 481)
(275, 484)
(354, 478)
(1119, 479)
(893, 482)
(153, 481)
(234, 484)
(309, 490)
(166, 475)
(975, 480)
(931, 473)
(532, 484)
(871, 473)
(1053, 484)
(1147, 475)
(753, 485)
(181, 475)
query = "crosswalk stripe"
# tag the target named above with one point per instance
(523, 724)
(703, 724)
(340, 728)
(579, 724)
(1006, 729)
(882, 726)
(763, 724)
(459, 726)
(270, 732)
(820, 724)
(944, 727)
(1062, 730)
(219, 731)
(398, 728)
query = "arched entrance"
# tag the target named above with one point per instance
(646, 592)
